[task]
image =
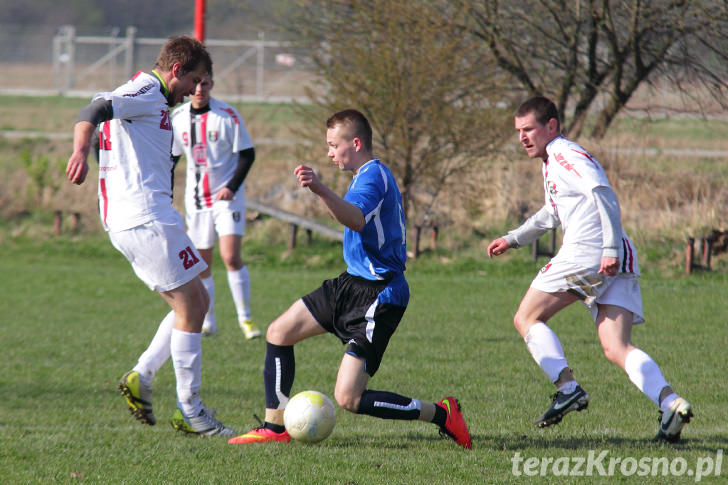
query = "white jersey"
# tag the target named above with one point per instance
(135, 165)
(570, 174)
(211, 142)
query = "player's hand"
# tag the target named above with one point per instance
(609, 266)
(77, 168)
(225, 194)
(307, 177)
(498, 247)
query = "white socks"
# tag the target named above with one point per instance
(645, 374)
(186, 351)
(546, 350)
(210, 318)
(239, 282)
(158, 351)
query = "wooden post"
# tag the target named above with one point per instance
(707, 249)
(76, 221)
(689, 255)
(433, 236)
(292, 239)
(57, 222)
(309, 236)
(416, 242)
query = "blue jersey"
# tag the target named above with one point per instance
(379, 250)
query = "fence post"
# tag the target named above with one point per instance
(689, 255)
(130, 58)
(416, 242)
(63, 56)
(57, 222)
(292, 240)
(261, 65)
(707, 249)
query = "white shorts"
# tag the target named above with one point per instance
(160, 252)
(227, 217)
(592, 288)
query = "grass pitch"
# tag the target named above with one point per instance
(74, 318)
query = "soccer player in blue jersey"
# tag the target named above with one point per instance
(363, 305)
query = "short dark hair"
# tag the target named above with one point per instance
(543, 110)
(357, 124)
(189, 52)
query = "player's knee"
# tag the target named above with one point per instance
(346, 400)
(520, 323)
(232, 262)
(276, 334)
(613, 353)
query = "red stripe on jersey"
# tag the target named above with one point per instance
(136, 75)
(104, 197)
(205, 178)
(628, 264)
(232, 113)
(586, 155)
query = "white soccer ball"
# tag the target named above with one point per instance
(309, 416)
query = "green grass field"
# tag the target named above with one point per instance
(74, 318)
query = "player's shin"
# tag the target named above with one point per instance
(278, 373)
(388, 405)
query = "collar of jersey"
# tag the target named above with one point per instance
(373, 160)
(165, 89)
(200, 111)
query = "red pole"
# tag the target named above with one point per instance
(200, 20)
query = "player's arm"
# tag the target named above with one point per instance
(534, 227)
(609, 213)
(345, 212)
(245, 161)
(94, 113)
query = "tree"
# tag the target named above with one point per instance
(591, 56)
(433, 104)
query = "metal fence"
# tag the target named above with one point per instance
(245, 70)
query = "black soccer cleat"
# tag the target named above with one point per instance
(562, 404)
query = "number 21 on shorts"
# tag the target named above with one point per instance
(188, 257)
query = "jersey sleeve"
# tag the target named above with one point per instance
(367, 190)
(581, 170)
(242, 140)
(133, 99)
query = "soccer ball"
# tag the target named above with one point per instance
(309, 416)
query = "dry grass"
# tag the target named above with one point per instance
(665, 197)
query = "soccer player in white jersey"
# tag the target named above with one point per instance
(597, 264)
(135, 202)
(364, 305)
(219, 154)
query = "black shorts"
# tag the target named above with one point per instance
(348, 307)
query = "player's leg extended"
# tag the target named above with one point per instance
(351, 394)
(136, 385)
(279, 369)
(209, 325)
(536, 308)
(189, 303)
(614, 327)
(238, 281)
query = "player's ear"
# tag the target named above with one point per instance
(553, 124)
(177, 70)
(357, 144)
